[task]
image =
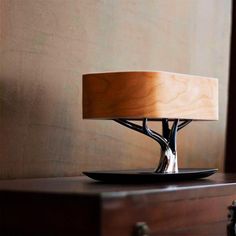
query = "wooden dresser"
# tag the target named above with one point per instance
(80, 206)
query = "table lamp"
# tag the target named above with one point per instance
(171, 98)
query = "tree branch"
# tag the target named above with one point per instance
(160, 139)
(183, 124)
(172, 137)
(165, 128)
(130, 125)
(144, 130)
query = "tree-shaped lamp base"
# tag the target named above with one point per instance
(167, 169)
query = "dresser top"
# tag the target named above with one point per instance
(217, 184)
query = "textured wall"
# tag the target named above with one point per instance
(45, 47)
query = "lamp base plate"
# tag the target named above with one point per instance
(147, 176)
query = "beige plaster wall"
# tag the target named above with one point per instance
(45, 47)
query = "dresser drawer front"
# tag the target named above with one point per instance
(196, 216)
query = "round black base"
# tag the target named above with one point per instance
(144, 176)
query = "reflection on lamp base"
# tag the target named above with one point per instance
(147, 176)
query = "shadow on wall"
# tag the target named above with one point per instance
(30, 145)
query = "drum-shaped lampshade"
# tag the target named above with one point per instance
(154, 95)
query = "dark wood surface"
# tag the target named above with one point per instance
(80, 206)
(83, 185)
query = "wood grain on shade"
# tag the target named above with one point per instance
(158, 94)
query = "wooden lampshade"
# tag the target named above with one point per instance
(135, 95)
